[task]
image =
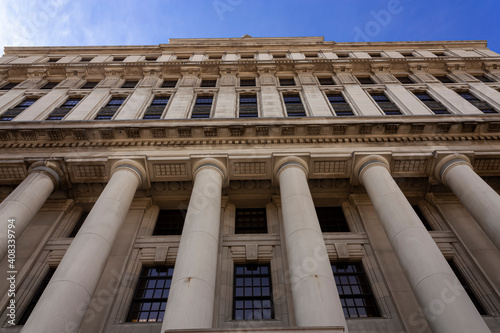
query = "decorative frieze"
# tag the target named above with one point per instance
(170, 169)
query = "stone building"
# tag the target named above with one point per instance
(318, 187)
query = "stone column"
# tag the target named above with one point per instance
(24, 203)
(443, 300)
(192, 293)
(64, 302)
(315, 297)
(482, 202)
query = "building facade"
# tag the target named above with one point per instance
(250, 184)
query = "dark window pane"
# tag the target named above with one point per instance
(287, 82)
(422, 217)
(50, 85)
(332, 219)
(248, 106)
(151, 294)
(483, 78)
(339, 104)
(90, 85)
(170, 222)
(404, 79)
(254, 301)
(36, 296)
(251, 221)
(169, 84)
(467, 288)
(208, 83)
(365, 80)
(108, 111)
(355, 295)
(326, 81)
(129, 84)
(9, 86)
(444, 79)
(17, 110)
(247, 82)
(294, 106)
(60, 112)
(78, 224)
(202, 107)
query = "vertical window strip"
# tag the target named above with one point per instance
(252, 298)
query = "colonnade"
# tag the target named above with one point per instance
(63, 305)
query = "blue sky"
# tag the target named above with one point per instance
(151, 22)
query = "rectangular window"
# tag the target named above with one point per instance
(54, 59)
(354, 290)
(151, 58)
(50, 85)
(435, 106)
(443, 78)
(340, 105)
(250, 221)
(249, 82)
(387, 106)
(208, 83)
(326, 81)
(78, 224)
(129, 84)
(293, 105)
(485, 107)
(483, 78)
(108, 111)
(169, 84)
(119, 58)
(287, 82)
(155, 110)
(16, 110)
(332, 219)
(248, 106)
(170, 222)
(151, 294)
(422, 217)
(36, 296)
(405, 79)
(90, 85)
(202, 107)
(467, 288)
(86, 59)
(60, 112)
(252, 299)
(365, 80)
(9, 86)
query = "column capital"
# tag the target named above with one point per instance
(211, 163)
(445, 164)
(51, 169)
(132, 166)
(369, 161)
(288, 162)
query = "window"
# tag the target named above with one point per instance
(387, 106)
(247, 56)
(151, 58)
(208, 83)
(54, 59)
(332, 219)
(202, 107)
(36, 296)
(279, 56)
(365, 80)
(15, 111)
(483, 78)
(404, 79)
(252, 298)
(439, 54)
(183, 57)
(342, 55)
(422, 218)
(248, 106)
(247, 82)
(311, 55)
(169, 84)
(407, 54)
(435, 106)
(485, 107)
(119, 58)
(60, 112)
(444, 78)
(9, 86)
(250, 221)
(129, 84)
(49, 85)
(90, 85)
(86, 59)
(326, 81)
(375, 55)
(467, 288)
(78, 224)
(287, 82)
(215, 57)
(354, 290)
(340, 105)
(108, 111)
(155, 110)
(170, 222)
(293, 105)
(151, 294)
